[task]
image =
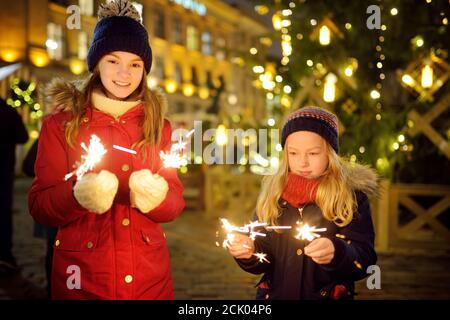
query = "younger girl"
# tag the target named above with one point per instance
(313, 186)
(110, 244)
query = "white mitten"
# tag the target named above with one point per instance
(147, 190)
(96, 191)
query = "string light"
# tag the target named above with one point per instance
(329, 90)
(287, 89)
(427, 76)
(324, 36)
(374, 94)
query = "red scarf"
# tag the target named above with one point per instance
(299, 190)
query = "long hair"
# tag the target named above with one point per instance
(267, 207)
(154, 111)
(335, 194)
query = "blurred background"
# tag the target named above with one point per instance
(381, 66)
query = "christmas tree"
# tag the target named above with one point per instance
(380, 67)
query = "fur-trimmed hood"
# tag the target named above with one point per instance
(63, 95)
(363, 178)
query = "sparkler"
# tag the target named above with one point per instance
(176, 157)
(305, 232)
(124, 149)
(94, 154)
(247, 229)
(261, 257)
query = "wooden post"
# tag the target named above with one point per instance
(382, 232)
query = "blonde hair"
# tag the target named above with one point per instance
(335, 196)
(154, 111)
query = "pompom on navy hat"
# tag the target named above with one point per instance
(316, 120)
(119, 29)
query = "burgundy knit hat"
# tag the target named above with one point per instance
(314, 119)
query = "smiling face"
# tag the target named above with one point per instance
(307, 154)
(121, 73)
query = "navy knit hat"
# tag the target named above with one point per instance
(316, 120)
(119, 29)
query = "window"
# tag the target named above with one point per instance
(192, 38)
(86, 7)
(177, 76)
(179, 107)
(194, 77)
(220, 45)
(54, 41)
(82, 45)
(206, 43)
(159, 24)
(158, 68)
(209, 80)
(178, 36)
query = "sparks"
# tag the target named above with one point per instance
(249, 228)
(305, 232)
(279, 227)
(261, 257)
(94, 154)
(176, 157)
(227, 242)
(124, 149)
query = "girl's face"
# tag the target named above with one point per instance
(121, 73)
(307, 155)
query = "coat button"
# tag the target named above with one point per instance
(125, 167)
(323, 293)
(357, 264)
(85, 119)
(57, 243)
(89, 245)
(267, 296)
(123, 121)
(299, 252)
(125, 222)
(128, 278)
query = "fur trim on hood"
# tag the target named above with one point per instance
(62, 95)
(363, 178)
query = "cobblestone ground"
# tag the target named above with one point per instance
(201, 270)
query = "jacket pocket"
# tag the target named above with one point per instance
(69, 240)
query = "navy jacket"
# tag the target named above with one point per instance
(292, 275)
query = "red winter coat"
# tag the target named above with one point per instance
(121, 254)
